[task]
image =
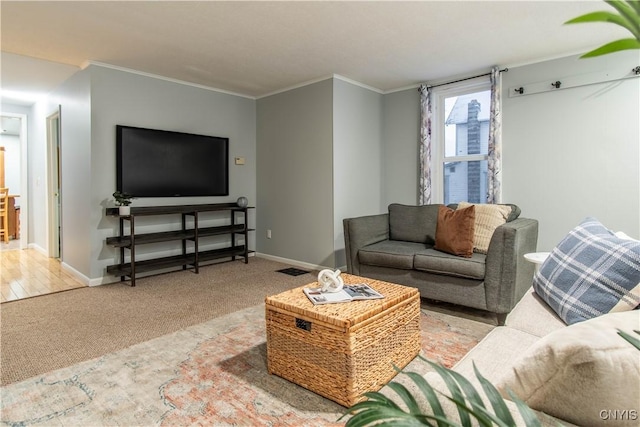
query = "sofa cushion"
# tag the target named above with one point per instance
(499, 349)
(433, 261)
(580, 371)
(534, 316)
(390, 253)
(488, 218)
(589, 273)
(413, 223)
(454, 232)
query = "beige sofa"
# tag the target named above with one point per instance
(584, 374)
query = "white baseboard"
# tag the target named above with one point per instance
(105, 280)
(112, 279)
(297, 263)
(75, 273)
(38, 248)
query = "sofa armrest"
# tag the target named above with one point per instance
(508, 275)
(360, 232)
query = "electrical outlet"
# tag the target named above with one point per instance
(268, 234)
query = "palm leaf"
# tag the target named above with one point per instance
(429, 394)
(380, 411)
(529, 417)
(618, 45)
(628, 17)
(635, 5)
(633, 340)
(628, 13)
(456, 394)
(497, 402)
(608, 17)
(406, 397)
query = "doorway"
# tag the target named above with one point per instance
(13, 135)
(54, 185)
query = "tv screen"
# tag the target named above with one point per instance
(158, 163)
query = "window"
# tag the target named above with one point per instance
(460, 142)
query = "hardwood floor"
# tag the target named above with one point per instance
(28, 273)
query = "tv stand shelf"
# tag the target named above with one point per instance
(194, 258)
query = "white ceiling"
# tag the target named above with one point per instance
(257, 48)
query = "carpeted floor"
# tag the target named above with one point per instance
(52, 331)
(177, 349)
(210, 374)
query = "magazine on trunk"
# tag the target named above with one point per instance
(360, 291)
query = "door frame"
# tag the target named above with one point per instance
(24, 178)
(54, 186)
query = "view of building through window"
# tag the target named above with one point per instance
(466, 147)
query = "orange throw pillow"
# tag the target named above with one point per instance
(454, 231)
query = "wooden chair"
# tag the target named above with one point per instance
(4, 214)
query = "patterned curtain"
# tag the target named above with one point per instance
(494, 184)
(425, 146)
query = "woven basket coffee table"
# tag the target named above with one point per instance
(343, 350)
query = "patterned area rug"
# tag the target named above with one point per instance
(209, 374)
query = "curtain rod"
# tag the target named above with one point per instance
(467, 78)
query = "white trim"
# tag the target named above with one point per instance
(292, 262)
(437, 140)
(38, 249)
(75, 273)
(53, 192)
(297, 86)
(400, 89)
(356, 83)
(159, 77)
(321, 79)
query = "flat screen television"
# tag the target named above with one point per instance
(159, 163)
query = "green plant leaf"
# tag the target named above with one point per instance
(529, 417)
(406, 397)
(456, 394)
(478, 413)
(629, 14)
(601, 16)
(633, 340)
(494, 396)
(635, 5)
(429, 393)
(615, 46)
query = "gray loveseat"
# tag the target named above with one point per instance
(398, 247)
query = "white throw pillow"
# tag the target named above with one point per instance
(585, 373)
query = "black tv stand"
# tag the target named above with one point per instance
(188, 258)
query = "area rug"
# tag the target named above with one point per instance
(210, 374)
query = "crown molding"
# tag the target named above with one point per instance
(159, 77)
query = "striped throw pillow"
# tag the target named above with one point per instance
(488, 218)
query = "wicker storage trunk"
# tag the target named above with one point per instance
(343, 350)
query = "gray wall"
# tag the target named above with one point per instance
(567, 154)
(357, 157)
(96, 99)
(295, 174)
(332, 149)
(130, 99)
(401, 132)
(574, 152)
(77, 206)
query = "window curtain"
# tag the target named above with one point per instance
(494, 167)
(424, 196)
